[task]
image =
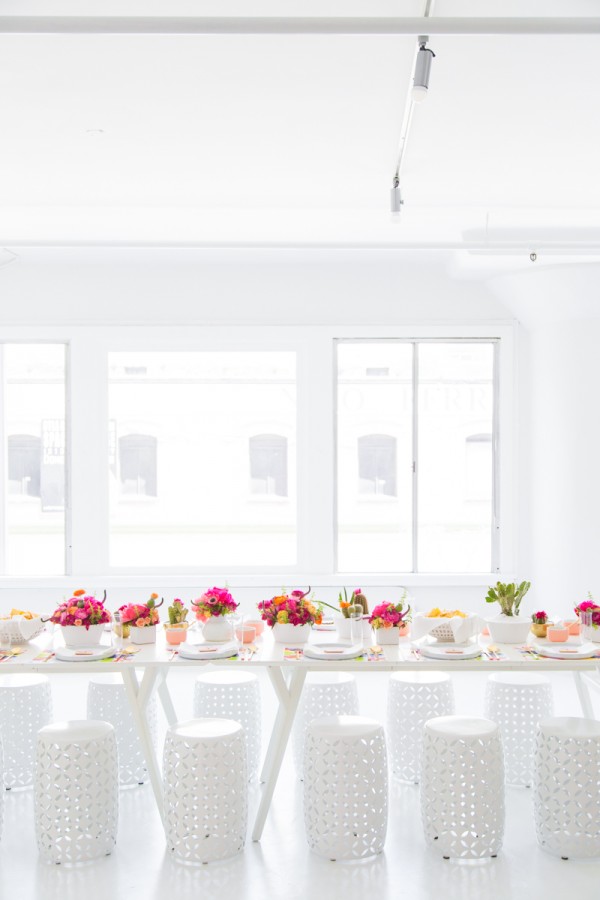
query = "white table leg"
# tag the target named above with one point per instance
(583, 693)
(165, 698)
(289, 697)
(271, 749)
(138, 695)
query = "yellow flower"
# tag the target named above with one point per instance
(282, 617)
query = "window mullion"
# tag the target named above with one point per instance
(415, 465)
(88, 460)
(3, 468)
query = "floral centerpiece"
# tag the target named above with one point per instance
(214, 608)
(176, 627)
(291, 616)
(540, 623)
(142, 619)
(82, 619)
(390, 621)
(592, 610)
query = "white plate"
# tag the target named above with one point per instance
(208, 651)
(449, 651)
(566, 651)
(84, 654)
(325, 625)
(333, 651)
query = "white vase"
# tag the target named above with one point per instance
(388, 635)
(80, 636)
(342, 626)
(218, 629)
(144, 635)
(291, 634)
(509, 629)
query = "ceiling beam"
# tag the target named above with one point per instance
(300, 26)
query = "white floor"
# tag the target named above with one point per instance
(280, 865)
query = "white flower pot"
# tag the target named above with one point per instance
(342, 626)
(80, 636)
(390, 635)
(291, 634)
(144, 635)
(509, 629)
(217, 628)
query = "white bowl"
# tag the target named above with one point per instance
(509, 629)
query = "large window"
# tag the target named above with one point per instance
(184, 423)
(33, 448)
(411, 408)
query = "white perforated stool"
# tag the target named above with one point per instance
(232, 695)
(25, 707)
(517, 702)
(345, 787)
(76, 791)
(462, 787)
(206, 790)
(107, 701)
(413, 698)
(324, 694)
(567, 787)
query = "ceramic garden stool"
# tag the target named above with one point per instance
(233, 695)
(345, 787)
(517, 702)
(413, 698)
(25, 707)
(205, 790)
(107, 701)
(323, 694)
(76, 791)
(462, 787)
(567, 787)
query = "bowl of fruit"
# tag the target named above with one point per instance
(21, 626)
(446, 625)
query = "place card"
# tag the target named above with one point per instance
(293, 653)
(44, 656)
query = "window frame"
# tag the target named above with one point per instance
(87, 534)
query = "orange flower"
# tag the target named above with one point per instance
(154, 596)
(72, 610)
(78, 593)
(279, 600)
(344, 605)
(77, 622)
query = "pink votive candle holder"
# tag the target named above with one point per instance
(246, 633)
(257, 624)
(574, 626)
(557, 634)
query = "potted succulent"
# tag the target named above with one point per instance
(291, 616)
(390, 621)
(142, 619)
(357, 598)
(539, 623)
(82, 619)
(508, 627)
(215, 608)
(176, 628)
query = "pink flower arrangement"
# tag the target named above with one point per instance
(590, 605)
(141, 615)
(214, 602)
(539, 618)
(389, 615)
(290, 609)
(81, 610)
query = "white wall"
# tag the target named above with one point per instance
(559, 525)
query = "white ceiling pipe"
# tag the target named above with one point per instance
(324, 26)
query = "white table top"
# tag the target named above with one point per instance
(268, 653)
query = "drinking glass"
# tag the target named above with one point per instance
(117, 632)
(355, 614)
(585, 630)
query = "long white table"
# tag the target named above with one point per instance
(287, 676)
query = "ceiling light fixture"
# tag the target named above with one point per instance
(422, 70)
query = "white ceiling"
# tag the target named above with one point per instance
(293, 139)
